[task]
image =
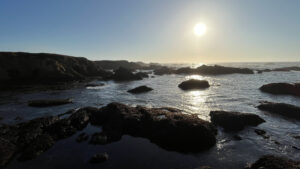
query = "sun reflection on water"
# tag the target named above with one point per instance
(197, 77)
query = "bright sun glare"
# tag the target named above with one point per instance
(200, 29)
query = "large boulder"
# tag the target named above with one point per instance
(273, 162)
(140, 89)
(282, 88)
(171, 130)
(48, 102)
(123, 74)
(283, 109)
(235, 120)
(193, 84)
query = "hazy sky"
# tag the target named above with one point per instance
(154, 30)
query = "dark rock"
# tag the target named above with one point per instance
(282, 88)
(237, 137)
(82, 137)
(94, 84)
(40, 144)
(220, 70)
(297, 137)
(287, 69)
(20, 67)
(185, 70)
(99, 158)
(142, 74)
(194, 84)
(123, 74)
(170, 130)
(164, 70)
(111, 64)
(261, 133)
(273, 162)
(140, 89)
(47, 103)
(283, 109)
(99, 138)
(235, 120)
(7, 151)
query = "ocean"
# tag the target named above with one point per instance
(234, 92)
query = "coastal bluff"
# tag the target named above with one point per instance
(21, 67)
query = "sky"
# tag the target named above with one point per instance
(154, 30)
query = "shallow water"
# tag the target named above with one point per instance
(236, 92)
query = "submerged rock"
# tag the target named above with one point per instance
(123, 74)
(94, 84)
(99, 158)
(273, 162)
(140, 89)
(261, 133)
(194, 84)
(235, 120)
(282, 88)
(283, 109)
(50, 102)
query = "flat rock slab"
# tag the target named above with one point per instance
(273, 162)
(140, 89)
(234, 120)
(194, 84)
(283, 109)
(50, 102)
(282, 88)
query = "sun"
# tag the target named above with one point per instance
(200, 29)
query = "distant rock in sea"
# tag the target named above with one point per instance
(193, 84)
(20, 67)
(49, 102)
(283, 109)
(116, 64)
(140, 89)
(203, 70)
(282, 88)
(235, 120)
(123, 74)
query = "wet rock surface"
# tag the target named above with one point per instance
(140, 89)
(273, 162)
(234, 121)
(283, 109)
(48, 102)
(194, 84)
(282, 88)
(166, 127)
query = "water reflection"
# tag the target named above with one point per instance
(197, 77)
